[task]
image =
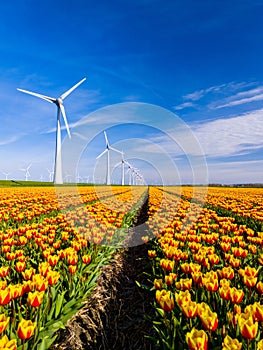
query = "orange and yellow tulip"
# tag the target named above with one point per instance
(26, 329)
(52, 277)
(189, 309)
(236, 295)
(3, 322)
(28, 273)
(5, 296)
(248, 328)
(158, 283)
(7, 344)
(260, 287)
(250, 281)
(197, 339)
(182, 297)
(165, 300)
(231, 344)
(35, 299)
(209, 320)
(4, 271)
(260, 345)
(72, 269)
(20, 266)
(86, 259)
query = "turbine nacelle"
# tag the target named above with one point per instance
(59, 101)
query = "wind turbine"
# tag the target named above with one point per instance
(68, 177)
(78, 178)
(122, 163)
(51, 173)
(130, 169)
(6, 175)
(107, 150)
(27, 173)
(58, 179)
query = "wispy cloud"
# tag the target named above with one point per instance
(223, 89)
(11, 139)
(184, 105)
(242, 97)
(233, 136)
(197, 95)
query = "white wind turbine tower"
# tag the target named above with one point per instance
(107, 150)
(58, 179)
(6, 175)
(27, 173)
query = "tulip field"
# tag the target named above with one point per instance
(207, 268)
(204, 273)
(50, 261)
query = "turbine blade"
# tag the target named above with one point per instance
(115, 150)
(65, 118)
(106, 139)
(46, 98)
(102, 153)
(63, 96)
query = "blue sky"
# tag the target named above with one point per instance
(200, 60)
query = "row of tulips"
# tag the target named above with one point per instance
(246, 202)
(48, 267)
(206, 276)
(22, 205)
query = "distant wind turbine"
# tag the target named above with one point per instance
(51, 173)
(122, 163)
(130, 169)
(68, 177)
(6, 175)
(27, 173)
(58, 179)
(107, 150)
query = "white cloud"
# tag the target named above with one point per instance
(258, 97)
(11, 139)
(232, 136)
(222, 88)
(239, 135)
(184, 105)
(197, 95)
